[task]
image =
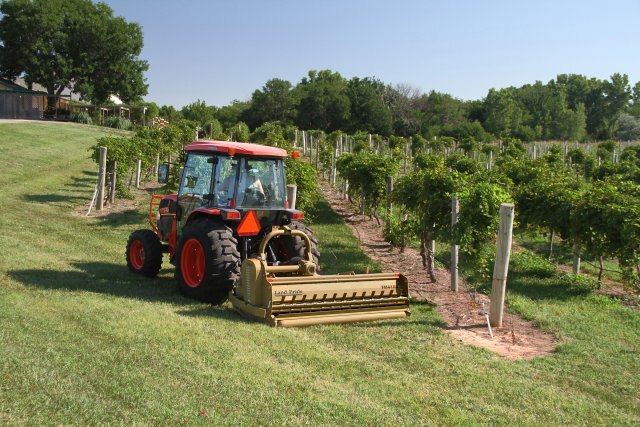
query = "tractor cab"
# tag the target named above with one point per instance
(239, 185)
(232, 176)
(234, 182)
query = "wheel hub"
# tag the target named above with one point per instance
(192, 263)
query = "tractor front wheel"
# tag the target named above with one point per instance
(208, 261)
(144, 253)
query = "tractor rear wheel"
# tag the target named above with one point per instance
(297, 247)
(144, 253)
(208, 261)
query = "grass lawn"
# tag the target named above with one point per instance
(84, 342)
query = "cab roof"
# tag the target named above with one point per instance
(232, 148)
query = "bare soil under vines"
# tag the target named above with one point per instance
(461, 311)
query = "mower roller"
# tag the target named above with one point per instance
(230, 234)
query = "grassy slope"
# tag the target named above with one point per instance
(82, 341)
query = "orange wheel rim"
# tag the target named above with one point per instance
(136, 254)
(192, 263)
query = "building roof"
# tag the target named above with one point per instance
(232, 148)
(7, 86)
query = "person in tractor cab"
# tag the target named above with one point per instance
(254, 193)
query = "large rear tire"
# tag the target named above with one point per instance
(144, 253)
(208, 261)
(297, 247)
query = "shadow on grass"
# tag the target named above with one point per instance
(116, 280)
(556, 289)
(81, 182)
(128, 217)
(322, 214)
(219, 312)
(53, 198)
(73, 193)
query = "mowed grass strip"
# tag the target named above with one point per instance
(84, 342)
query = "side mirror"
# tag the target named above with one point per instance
(163, 173)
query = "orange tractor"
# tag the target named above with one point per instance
(230, 234)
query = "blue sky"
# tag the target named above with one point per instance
(223, 50)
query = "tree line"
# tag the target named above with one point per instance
(570, 107)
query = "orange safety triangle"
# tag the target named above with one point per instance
(249, 226)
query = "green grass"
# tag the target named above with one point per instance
(84, 342)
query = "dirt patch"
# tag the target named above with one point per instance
(462, 312)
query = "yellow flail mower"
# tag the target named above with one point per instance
(230, 234)
(296, 295)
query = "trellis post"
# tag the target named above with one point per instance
(501, 266)
(454, 246)
(102, 171)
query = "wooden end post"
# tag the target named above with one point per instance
(304, 143)
(292, 195)
(454, 247)
(389, 191)
(138, 171)
(102, 172)
(332, 179)
(501, 267)
(576, 258)
(114, 177)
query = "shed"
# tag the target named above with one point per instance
(17, 102)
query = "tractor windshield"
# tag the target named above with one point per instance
(261, 184)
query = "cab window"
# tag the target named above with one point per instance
(225, 181)
(261, 184)
(196, 178)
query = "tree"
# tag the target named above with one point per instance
(324, 103)
(628, 128)
(503, 115)
(442, 109)
(231, 114)
(75, 44)
(603, 100)
(634, 108)
(402, 100)
(273, 103)
(199, 112)
(169, 112)
(368, 111)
